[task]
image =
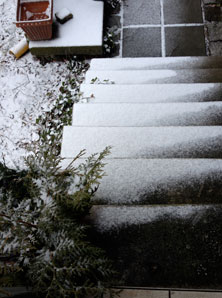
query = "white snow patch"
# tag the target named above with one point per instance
(24, 87)
(63, 13)
(29, 14)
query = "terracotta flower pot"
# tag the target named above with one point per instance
(35, 18)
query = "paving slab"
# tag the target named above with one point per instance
(142, 42)
(185, 41)
(178, 294)
(141, 12)
(141, 294)
(81, 35)
(182, 11)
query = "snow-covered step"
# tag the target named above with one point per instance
(156, 63)
(159, 114)
(152, 93)
(109, 217)
(159, 247)
(145, 142)
(159, 181)
(154, 76)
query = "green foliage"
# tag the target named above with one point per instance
(51, 123)
(109, 44)
(43, 234)
(43, 231)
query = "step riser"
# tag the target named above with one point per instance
(170, 251)
(151, 93)
(160, 181)
(156, 76)
(144, 115)
(156, 63)
(145, 142)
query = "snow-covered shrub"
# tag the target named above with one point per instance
(42, 228)
(43, 235)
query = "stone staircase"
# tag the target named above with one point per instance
(158, 209)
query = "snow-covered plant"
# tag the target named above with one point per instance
(43, 235)
(42, 230)
(109, 44)
(51, 123)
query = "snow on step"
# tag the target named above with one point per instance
(159, 181)
(156, 63)
(152, 92)
(106, 218)
(155, 76)
(145, 142)
(168, 114)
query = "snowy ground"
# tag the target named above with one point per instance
(24, 85)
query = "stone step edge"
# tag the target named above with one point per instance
(67, 160)
(156, 62)
(147, 114)
(169, 289)
(155, 205)
(153, 93)
(212, 75)
(135, 292)
(104, 219)
(167, 139)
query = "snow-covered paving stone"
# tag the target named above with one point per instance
(106, 218)
(25, 84)
(155, 63)
(145, 142)
(102, 93)
(155, 76)
(165, 114)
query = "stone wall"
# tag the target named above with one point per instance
(213, 21)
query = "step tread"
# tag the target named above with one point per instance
(147, 114)
(152, 92)
(145, 142)
(107, 217)
(155, 76)
(156, 63)
(159, 181)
